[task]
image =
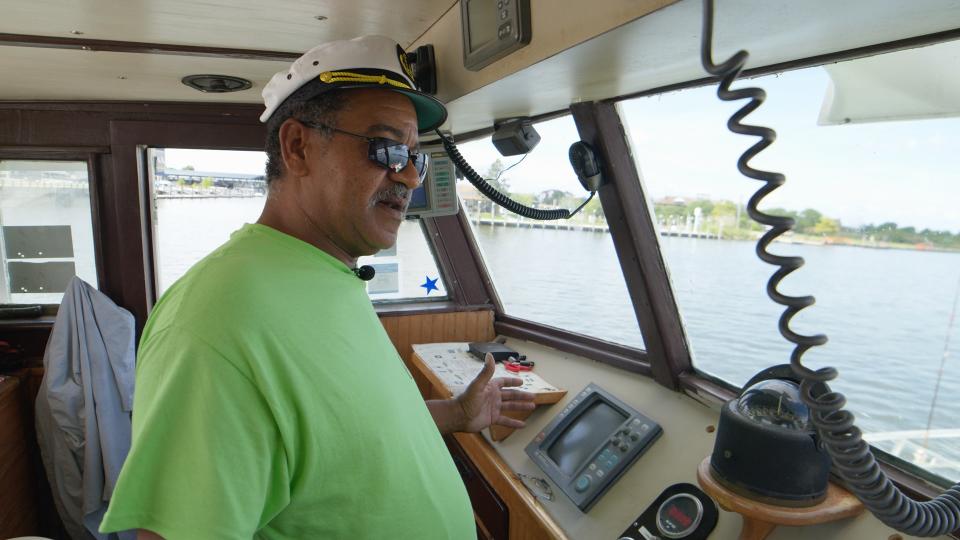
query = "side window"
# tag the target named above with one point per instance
(564, 273)
(47, 230)
(200, 197)
(877, 222)
(407, 271)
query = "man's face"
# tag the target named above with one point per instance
(357, 204)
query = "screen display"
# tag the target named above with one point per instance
(680, 514)
(418, 199)
(587, 432)
(483, 22)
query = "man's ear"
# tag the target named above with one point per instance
(293, 142)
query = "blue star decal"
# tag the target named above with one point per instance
(430, 284)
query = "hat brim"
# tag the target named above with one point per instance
(431, 112)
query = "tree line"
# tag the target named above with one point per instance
(732, 219)
(810, 222)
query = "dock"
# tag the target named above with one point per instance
(567, 226)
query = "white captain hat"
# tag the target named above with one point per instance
(363, 62)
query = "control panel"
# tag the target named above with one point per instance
(681, 511)
(493, 29)
(591, 443)
(437, 196)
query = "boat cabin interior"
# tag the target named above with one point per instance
(131, 146)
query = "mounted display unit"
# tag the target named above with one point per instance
(493, 29)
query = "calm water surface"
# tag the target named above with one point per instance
(886, 313)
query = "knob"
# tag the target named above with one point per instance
(582, 483)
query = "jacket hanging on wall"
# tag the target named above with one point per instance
(83, 406)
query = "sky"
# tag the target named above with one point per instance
(907, 172)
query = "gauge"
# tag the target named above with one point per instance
(680, 511)
(679, 515)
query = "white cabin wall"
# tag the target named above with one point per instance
(601, 50)
(570, 22)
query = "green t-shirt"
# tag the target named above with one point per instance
(270, 403)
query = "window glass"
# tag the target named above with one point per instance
(878, 225)
(408, 271)
(200, 197)
(560, 273)
(47, 230)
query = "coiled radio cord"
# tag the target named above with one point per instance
(491, 192)
(850, 454)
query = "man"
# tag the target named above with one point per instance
(270, 401)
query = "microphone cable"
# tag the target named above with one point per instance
(503, 200)
(851, 456)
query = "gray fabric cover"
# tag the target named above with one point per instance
(83, 407)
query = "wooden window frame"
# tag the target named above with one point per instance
(133, 235)
(91, 155)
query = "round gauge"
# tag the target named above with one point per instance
(679, 515)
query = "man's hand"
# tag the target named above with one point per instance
(485, 400)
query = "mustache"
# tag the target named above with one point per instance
(395, 191)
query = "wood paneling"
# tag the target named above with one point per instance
(490, 513)
(406, 330)
(18, 509)
(528, 519)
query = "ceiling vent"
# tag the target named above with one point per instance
(216, 84)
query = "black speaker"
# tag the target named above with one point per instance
(515, 136)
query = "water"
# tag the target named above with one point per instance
(886, 311)
(186, 230)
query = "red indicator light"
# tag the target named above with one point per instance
(681, 518)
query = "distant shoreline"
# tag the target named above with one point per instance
(794, 239)
(602, 227)
(208, 196)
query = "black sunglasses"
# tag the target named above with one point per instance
(388, 154)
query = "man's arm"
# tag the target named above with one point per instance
(143, 534)
(482, 403)
(447, 414)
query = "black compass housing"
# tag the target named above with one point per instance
(767, 449)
